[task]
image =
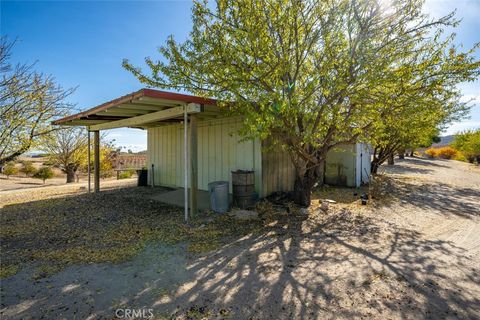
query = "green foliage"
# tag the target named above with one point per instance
(10, 169)
(44, 173)
(468, 143)
(28, 168)
(309, 75)
(126, 174)
(68, 149)
(8, 271)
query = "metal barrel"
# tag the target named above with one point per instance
(243, 185)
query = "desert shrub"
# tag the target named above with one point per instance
(431, 152)
(126, 174)
(44, 173)
(460, 157)
(10, 169)
(468, 143)
(446, 152)
(28, 168)
(107, 173)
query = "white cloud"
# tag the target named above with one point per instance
(460, 126)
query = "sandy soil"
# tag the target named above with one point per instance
(414, 254)
(21, 182)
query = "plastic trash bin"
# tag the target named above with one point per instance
(219, 200)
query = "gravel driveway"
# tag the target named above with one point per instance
(413, 254)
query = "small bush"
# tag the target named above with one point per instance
(126, 174)
(28, 168)
(446, 152)
(431, 153)
(106, 174)
(460, 157)
(44, 173)
(10, 169)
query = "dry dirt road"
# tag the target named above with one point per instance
(414, 254)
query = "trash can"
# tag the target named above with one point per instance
(243, 185)
(142, 177)
(218, 191)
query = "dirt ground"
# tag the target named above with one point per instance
(411, 253)
(19, 182)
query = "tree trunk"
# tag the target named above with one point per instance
(375, 165)
(302, 191)
(303, 186)
(13, 155)
(391, 161)
(70, 170)
(411, 153)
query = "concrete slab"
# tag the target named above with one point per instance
(176, 198)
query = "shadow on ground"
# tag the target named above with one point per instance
(340, 265)
(440, 197)
(327, 269)
(414, 165)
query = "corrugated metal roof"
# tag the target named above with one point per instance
(135, 104)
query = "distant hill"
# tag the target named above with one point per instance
(444, 141)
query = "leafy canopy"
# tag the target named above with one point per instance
(309, 75)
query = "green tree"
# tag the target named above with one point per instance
(10, 169)
(44, 173)
(67, 149)
(468, 143)
(422, 99)
(306, 75)
(28, 168)
(29, 101)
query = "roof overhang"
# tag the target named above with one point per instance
(142, 109)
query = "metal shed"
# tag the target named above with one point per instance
(191, 142)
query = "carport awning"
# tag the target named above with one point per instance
(142, 109)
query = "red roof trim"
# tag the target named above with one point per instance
(151, 93)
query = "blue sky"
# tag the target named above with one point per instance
(82, 43)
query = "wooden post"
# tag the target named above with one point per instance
(193, 165)
(96, 146)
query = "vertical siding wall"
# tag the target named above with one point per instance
(278, 172)
(219, 152)
(340, 166)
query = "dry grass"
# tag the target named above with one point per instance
(108, 227)
(59, 227)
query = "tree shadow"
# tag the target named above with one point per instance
(442, 198)
(340, 265)
(327, 268)
(414, 165)
(429, 162)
